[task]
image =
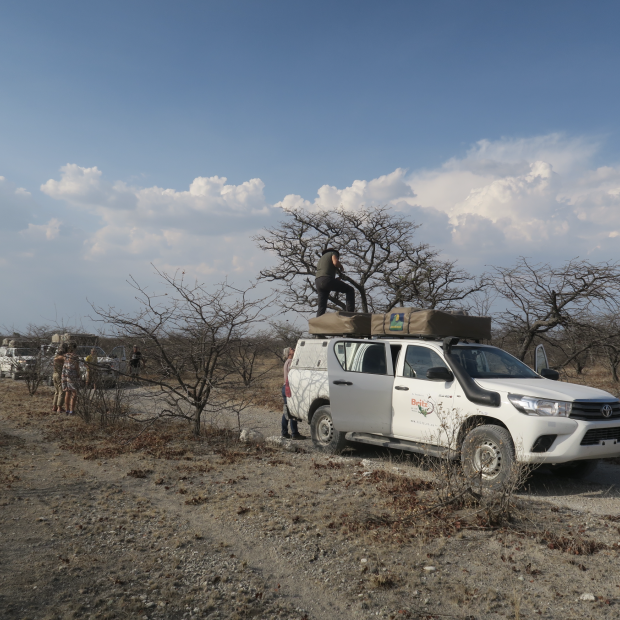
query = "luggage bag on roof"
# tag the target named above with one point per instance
(82, 339)
(340, 323)
(415, 322)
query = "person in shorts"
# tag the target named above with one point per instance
(134, 363)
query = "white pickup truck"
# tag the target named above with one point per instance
(453, 399)
(17, 361)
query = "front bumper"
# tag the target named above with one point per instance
(567, 444)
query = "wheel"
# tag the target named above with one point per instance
(575, 469)
(488, 451)
(324, 436)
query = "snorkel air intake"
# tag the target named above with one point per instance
(472, 390)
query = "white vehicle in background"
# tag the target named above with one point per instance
(16, 361)
(420, 395)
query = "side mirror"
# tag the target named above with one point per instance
(439, 373)
(548, 373)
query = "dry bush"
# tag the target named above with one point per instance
(103, 406)
(489, 505)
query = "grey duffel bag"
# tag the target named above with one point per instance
(340, 323)
(415, 322)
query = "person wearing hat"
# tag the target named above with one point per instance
(328, 280)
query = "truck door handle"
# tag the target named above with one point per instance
(400, 387)
(342, 383)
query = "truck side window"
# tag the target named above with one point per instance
(418, 360)
(362, 357)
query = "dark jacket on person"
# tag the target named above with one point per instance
(326, 266)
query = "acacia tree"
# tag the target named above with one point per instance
(382, 261)
(609, 348)
(575, 342)
(542, 297)
(191, 338)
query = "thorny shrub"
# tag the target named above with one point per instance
(452, 486)
(101, 405)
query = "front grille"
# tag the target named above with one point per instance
(584, 410)
(593, 436)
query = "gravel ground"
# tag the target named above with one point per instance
(269, 532)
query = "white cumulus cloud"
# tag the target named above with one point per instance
(136, 221)
(537, 196)
(386, 189)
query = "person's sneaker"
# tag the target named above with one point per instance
(299, 436)
(286, 436)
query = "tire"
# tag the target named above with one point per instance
(488, 451)
(325, 437)
(575, 469)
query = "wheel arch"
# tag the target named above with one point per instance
(474, 421)
(316, 403)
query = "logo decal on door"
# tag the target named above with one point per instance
(425, 407)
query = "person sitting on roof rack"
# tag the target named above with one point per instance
(328, 280)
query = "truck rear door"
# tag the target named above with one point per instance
(361, 378)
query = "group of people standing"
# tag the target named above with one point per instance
(66, 376)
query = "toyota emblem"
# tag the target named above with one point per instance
(607, 410)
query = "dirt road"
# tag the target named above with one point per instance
(261, 532)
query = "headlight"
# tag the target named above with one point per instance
(539, 406)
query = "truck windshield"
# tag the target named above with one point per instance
(492, 363)
(26, 352)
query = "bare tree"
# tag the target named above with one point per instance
(574, 342)
(283, 334)
(542, 297)
(190, 339)
(610, 346)
(383, 263)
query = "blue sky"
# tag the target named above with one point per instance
(468, 100)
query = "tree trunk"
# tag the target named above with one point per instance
(197, 417)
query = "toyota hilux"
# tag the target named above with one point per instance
(453, 399)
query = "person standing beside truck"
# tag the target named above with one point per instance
(59, 395)
(135, 362)
(289, 352)
(328, 280)
(91, 368)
